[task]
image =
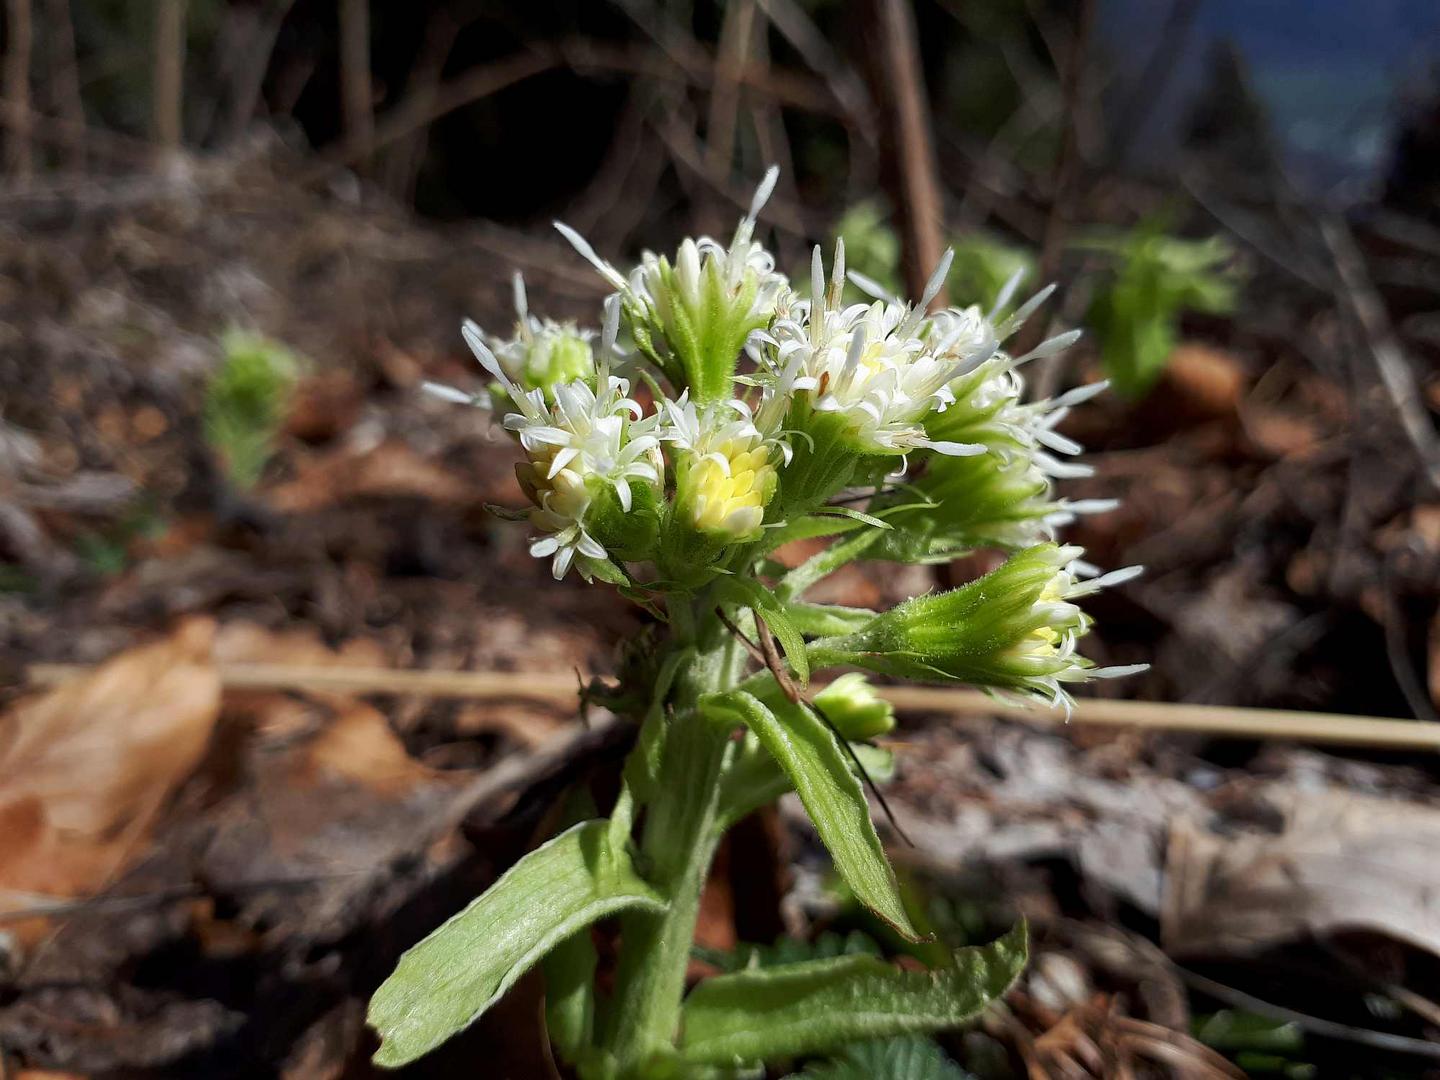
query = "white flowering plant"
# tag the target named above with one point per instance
(717, 415)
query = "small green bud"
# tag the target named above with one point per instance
(969, 503)
(692, 317)
(1014, 629)
(558, 355)
(851, 704)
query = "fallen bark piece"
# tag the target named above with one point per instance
(1336, 861)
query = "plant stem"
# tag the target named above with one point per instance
(678, 844)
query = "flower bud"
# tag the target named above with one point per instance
(1013, 629)
(857, 712)
(969, 503)
(724, 479)
(692, 317)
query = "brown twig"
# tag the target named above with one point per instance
(1358, 296)
(65, 79)
(402, 164)
(17, 89)
(559, 690)
(356, 93)
(743, 638)
(1063, 195)
(250, 81)
(168, 88)
(735, 36)
(901, 88)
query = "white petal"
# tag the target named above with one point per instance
(450, 393)
(763, 192)
(580, 244)
(955, 449)
(563, 559)
(522, 306)
(475, 338)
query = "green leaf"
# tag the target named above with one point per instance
(824, 563)
(788, 950)
(814, 1007)
(446, 981)
(807, 527)
(827, 620)
(570, 993)
(908, 1058)
(754, 779)
(748, 591)
(807, 750)
(570, 966)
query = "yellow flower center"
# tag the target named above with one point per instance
(729, 487)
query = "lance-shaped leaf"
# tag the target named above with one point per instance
(754, 779)
(818, 768)
(446, 981)
(772, 1013)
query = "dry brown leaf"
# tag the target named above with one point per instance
(390, 470)
(1280, 434)
(528, 724)
(358, 745)
(1209, 380)
(85, 767)
(324, 406)
(274, 713)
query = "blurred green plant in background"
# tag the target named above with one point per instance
(245, 404)
(984, 265)
(1149, 280)
(1156, 277)
(1259, 1045)
(871, 246)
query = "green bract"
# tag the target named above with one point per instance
(879, 431)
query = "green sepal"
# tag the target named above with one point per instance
(810, 1008)
(628, 535)
(443, 984)
(825, 460)
(970, 634)
(812, 757)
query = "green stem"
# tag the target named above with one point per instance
(678, 843)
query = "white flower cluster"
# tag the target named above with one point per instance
(721, 463)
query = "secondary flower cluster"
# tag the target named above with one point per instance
(763, 413)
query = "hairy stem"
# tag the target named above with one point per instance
(678, 843)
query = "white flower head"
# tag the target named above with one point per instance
(540, 354)
(693, 316)
(879, 366)
(585, 438)
(726, 474)
(1045, 658)
(543, 353)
